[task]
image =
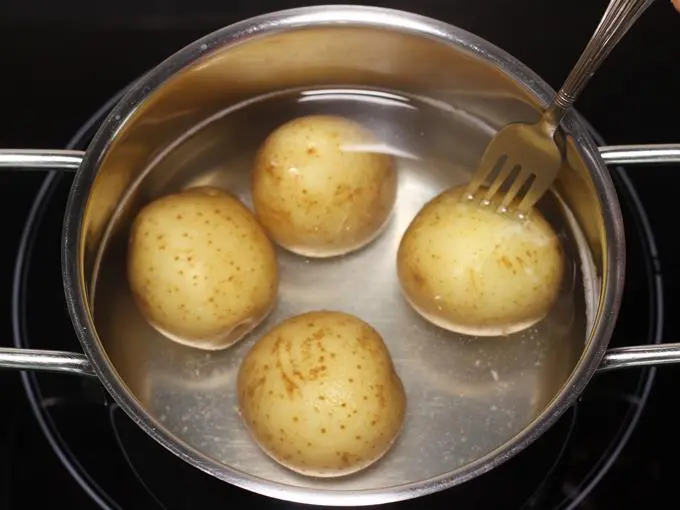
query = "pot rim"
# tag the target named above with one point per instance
(327, 15)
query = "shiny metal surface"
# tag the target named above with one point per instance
(472, 403)
(524, 156)
(45, 361)
(640, 356)
(641, 154)
(38, 159)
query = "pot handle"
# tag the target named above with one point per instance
(45, 361)
(30, 359)
(659, 154)
(38, 159)
(642, 355)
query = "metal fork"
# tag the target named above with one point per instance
(528, 151)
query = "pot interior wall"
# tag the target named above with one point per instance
(191, 392)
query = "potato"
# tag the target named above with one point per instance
(201, 269)
(469, 269)
(320, 394)
(317, 192)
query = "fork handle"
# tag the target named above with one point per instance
(616, 21)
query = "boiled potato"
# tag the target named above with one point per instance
(320, 394)
(317, 191)
(201, 269)
(469, 269)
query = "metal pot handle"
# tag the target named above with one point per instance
(31, 359)
(654, 154)
(38, 159)
(77, 363)
(45, 361)
(642, 355)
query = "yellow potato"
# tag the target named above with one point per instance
(468, 269)
(201, 269)
(317, 191)
(320, 395)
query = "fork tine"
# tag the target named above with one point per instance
(498, 181)
(517, 184)
(489, 162)
(537, 189)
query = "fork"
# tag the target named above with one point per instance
(529, 151)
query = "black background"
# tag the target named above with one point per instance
(60, 60)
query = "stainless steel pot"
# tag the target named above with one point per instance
(177, 395)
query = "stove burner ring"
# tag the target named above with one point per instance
(101, 498)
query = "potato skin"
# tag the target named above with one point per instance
(320, 395)
(200, 267)
(314, 195)
(471, 270)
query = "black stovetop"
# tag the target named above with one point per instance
(60, 61)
